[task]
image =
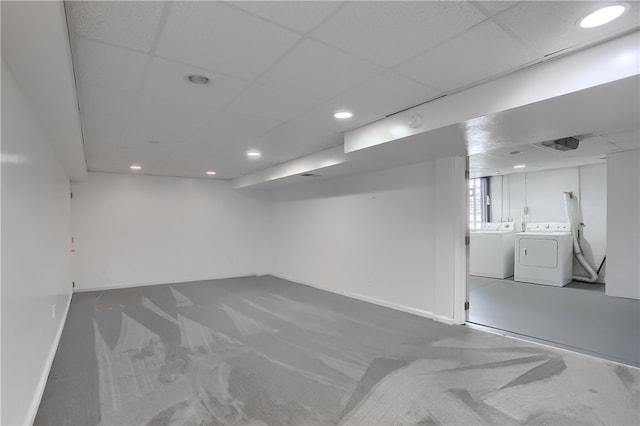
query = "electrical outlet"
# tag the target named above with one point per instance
(53, 311)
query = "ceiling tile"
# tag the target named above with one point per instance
(109, 66)
(156, 109)
(235, 42)
(161, 135)
(482, 52)
(131, 24)
(106, 100)
(494, 7)
(318, 70)
(167, 79)
(385, 94)
(108, 124)
(298, 15)
(100, 139)
(592, 146)
(482, 162)
(551, 26)
(625, 140)
(228, 123)
(272, 103)
(106, 158)
(389, 32)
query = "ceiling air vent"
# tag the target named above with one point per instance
(564, 144)
(309, 175)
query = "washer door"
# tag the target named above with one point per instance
(538, 252)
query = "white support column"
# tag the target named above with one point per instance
(623, 224)
(450, 213)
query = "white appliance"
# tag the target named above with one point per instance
(544, 254)
(491, 250)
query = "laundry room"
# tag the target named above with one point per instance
(538, 197)
(538, 216)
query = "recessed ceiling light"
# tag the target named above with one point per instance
(602, 16)
(254, 153)
(211, 173)
(343, 114)
(198, 79)
(135, 167)
(519, 166)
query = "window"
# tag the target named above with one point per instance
(479, 202)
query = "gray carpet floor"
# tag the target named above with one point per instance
(265, 351)
(578, 316)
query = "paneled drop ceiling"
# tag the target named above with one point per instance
(279, 70)
(592, 149)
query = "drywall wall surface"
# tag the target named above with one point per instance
(623, 224)
(449, 243)
(134, 230)
(36, 277)
(369, 236)
(542, 191)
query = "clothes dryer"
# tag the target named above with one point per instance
(544, 254)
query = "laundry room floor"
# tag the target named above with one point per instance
(578, 316)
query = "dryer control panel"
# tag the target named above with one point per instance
(548, 227)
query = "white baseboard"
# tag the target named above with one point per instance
(361, 297)
(392, 305)
(445, 320)
(375, 301)
(115, 287)
(35, 404)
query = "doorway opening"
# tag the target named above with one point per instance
(527, 207)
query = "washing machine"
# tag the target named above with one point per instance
(491, 250)
(544, 254)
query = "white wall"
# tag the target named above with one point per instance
(135, 229)
(35, 254)
(370, 236)
(623, 224)
(450, 229)
(542, 193)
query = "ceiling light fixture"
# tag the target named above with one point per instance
(198, 79)
(254, 153)
(602, 16)
(519, 166)
(343, 115)
(211, 173)
(135, 167)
